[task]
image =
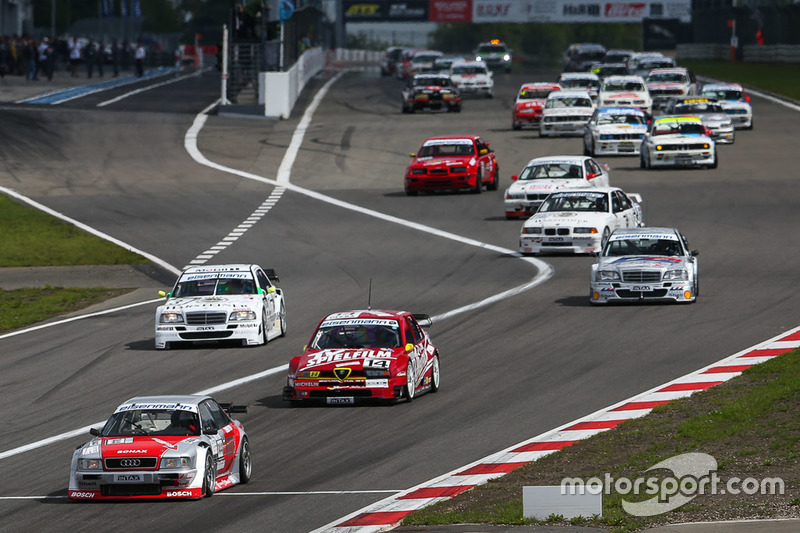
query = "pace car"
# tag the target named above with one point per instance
(714, 118)
(222, 302)
(615, 131)
(527, 110)
(430, 91)
(543, 175)
(365, 355)
(451, 163)
(566, 113)
(734, 101)
(677, 141)
(579, 220)
(625, 91)
(472, 77)
(645, 264)
(162, 447)
(495, 54)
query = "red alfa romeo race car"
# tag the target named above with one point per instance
(453, 162)
(365, 355)
(162, 447)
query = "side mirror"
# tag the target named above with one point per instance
(695, 253)
(162, 294)
(483, 151)
(409, 347)
(412, 154)
(270, 290)
(514, 177)
(94, 431)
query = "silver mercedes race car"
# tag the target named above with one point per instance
(645, 264)
(162, 447)
(222, 302)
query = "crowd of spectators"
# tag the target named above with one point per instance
(23, 55)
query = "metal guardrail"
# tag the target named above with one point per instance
(778, 53)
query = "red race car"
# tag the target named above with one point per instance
(365, 355)
(527, 110)
(453, 162)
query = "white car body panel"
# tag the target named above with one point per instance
(614, 139)
(569, 121)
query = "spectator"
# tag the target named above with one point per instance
(89, 52)
(29, 58)
(74, 56)
(140, 55)
(115, 56)
(100, 57)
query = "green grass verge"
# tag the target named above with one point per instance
(781, 79)
(22, 307)
(748, 424)
(29, 237)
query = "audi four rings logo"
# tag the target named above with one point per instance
(130, 462)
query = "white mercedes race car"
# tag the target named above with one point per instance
(645, 264)
(734, 101)
(566, 113)
(615, 131)
(222, 302)
(543, 175)
(472, 77)
(162, 447)
(678, 141)
(579, 220)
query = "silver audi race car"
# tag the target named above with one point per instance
(222, 302)
(645, 264)
(162, 447)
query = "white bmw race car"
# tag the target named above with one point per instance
(162, 447)
(678, 141)
(625, 91)
(579, 220)
(222, 302)
(566, 113)
(615, 131)
(543, 175)
(645, 264)
(734, 101)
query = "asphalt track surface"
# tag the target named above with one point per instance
(511, 370)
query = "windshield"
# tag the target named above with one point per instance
(380, 334)
(427, 81)
(584, 201)
(491, 49)
(472, 69)
(532, 94)
(446, 149)
(569, 101)
(610, 71)
(613, 86)
(580, 84)
(152, 422)
(683, 128)
(550, 171)
(688, 109)
(214, 283)
(724, 94)
(595, 55)
(607, 118)
(667, 77)
(642, 246)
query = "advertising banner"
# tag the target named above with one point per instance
(450, 10)
(607, 11)
(501, 10)
(385, 11)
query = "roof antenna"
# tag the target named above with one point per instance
(369, 296)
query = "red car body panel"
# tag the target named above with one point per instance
(469, 167)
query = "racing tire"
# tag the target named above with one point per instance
(714, 164)
(604, 238)
(478, 188)
(264, 334)
(641, 160)
(586, 149)
(457, 109)
(409, 391)
(435, 374)
(592, 149)
(209, 476)
(282, 321)
(411, 193)
(515, 126)
(696, 288)
(495, 183)
(245, 462)
(750, 127)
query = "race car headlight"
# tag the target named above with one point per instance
(238, 316)
(607, 275)
(515, 195)
(478, 58)
(170, 318)
(418, 171)
(676, 275)
(584, 230)
(90, 464)
(176, 462)
(506, 57)
(377, 373)
(706, 146)
(458, 170)
(659, 147)
(532, 230)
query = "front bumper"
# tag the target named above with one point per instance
(683, 158)
(607, 292)
(617, 147)
(440, 183)
(345, 395)
(567, 243)
(135, 485)
(562, 128)
(248, 332)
